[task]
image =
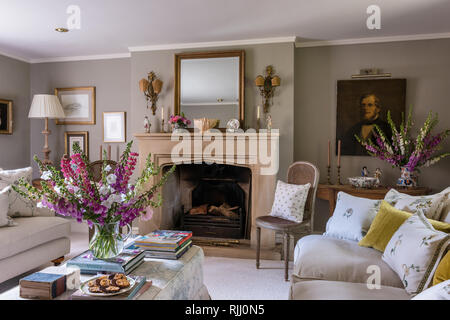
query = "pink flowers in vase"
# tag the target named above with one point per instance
(179, 121)
(402, 150)
(114, 199)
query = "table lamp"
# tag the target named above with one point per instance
(45, 106)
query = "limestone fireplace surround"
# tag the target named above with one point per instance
(240, 149)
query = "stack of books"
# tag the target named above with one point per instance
(41, 285)
(125, 262)
(140, 287)
(164, 244)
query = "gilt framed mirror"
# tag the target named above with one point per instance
(210, 85)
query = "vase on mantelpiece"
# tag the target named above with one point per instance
(179, 127)
(407, 178)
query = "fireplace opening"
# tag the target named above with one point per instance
(214, 200)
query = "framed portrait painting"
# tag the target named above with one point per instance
(6, 117)
(114, 126)
(78, 104)
(363, 103)
(76, 137)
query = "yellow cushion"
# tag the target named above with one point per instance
(386, 222)
(443, 270)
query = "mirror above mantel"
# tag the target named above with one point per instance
(210, 85)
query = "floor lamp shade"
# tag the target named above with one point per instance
(46, 106)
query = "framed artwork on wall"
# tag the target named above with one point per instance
(363, 103)
(78, 104)
(6, 117)
(76, 137)
(114, 126)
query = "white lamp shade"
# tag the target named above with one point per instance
(46, 106)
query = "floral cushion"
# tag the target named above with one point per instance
(18, 206)
(352, 217)
(290, 200)
(5, 220)
(432, 206)
(414, 252)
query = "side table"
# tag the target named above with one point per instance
(329, 192)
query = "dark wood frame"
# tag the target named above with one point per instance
(212, 54)
(9, 125)
(85, 135)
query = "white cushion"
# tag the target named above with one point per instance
(432, 206)
(441, 291)
(325, 258)
(338, 290)
(414, 252)
(289, 202)
(352, 217)
(18, 206)
(5, 220)
(31, 232)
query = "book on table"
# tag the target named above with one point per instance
(170, 239)
(140, 287)
(42, 285)
(125, 262)
(172, 254)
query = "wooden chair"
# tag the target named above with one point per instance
(300, 172)
(96, 169)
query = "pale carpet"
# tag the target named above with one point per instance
(225, 278)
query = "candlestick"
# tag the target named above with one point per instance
(329, 175)
(101, 152)
(339, 175)
(329, 153)
(339, 154)
(162, 126)
(109, 152)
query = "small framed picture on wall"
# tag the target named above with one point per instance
(6, 119)
(76, 137)
(114, 126)
(78, 104)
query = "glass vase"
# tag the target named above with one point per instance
(179, 127)
(407, 178)
(108, 242)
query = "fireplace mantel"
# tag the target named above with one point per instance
(241, 149)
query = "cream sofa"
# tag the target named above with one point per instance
(327, 268)
(33, 242)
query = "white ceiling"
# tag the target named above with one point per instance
(113, 26)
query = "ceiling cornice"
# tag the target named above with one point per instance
(193, 45)
(415, 37)
(83, 58)
(14, 57)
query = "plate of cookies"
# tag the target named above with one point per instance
(108, 285)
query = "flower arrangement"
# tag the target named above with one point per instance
(403, 150)
(111, 201)
(179, 121)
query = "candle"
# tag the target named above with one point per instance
(101, 152)
(109, 152)
(339, 153)
(329, 151)
(162, 113)
(257, 112)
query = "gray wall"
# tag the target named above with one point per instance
(257, 57)
(425, 65)
(15, 86)
(112, 81)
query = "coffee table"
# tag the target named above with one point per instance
(180, 279)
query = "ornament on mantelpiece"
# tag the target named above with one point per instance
(377, 175)
(147, 124)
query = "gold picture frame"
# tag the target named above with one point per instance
(71, 136)
(78, 104)
(114, 126)
(6, 116)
